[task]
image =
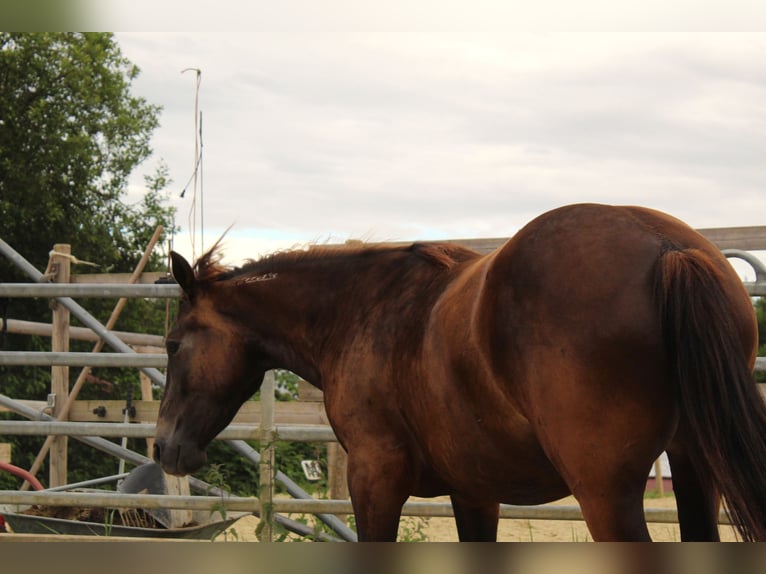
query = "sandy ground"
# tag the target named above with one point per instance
(510, 530)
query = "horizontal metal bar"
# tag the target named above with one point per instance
(297, 433)
(162, 291)
(88, 483)
(120, 500)
(160, 360)
(757, 289)
(91, 290)
(42, 359)
(290, 506)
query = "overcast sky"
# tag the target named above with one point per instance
(317, 136)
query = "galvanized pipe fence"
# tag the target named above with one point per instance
(267, 403)
(92, 433)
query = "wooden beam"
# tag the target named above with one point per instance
(292, 412)
(35, 405)
(80, 333)
(309, 393)
(5, 452)
(745, 238)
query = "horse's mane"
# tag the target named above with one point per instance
(208, 268)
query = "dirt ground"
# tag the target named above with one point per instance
(510, 530)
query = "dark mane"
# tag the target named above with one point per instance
(209, 268)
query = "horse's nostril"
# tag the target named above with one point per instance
(157, 452)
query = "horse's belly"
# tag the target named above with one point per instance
(508, 467)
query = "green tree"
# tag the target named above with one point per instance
(71, 134)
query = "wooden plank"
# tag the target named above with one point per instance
(745, 238)
(60, 265)
(5, 452)
(36, 405)
(146, 395)
(147, 278)
(309, 393)
(482, 245)
(80, 333)
(337, 471)
(293, 412)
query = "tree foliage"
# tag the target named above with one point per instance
(71, 134)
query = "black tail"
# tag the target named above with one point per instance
(723, 416)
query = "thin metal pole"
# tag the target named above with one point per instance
(212, 503)
(297, 433)
(71, 359)
(90, 290)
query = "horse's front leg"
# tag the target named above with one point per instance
(475, 522)
(379, 480)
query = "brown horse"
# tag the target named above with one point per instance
(564, 362)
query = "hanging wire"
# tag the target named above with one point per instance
(201, 190)
(197, 165)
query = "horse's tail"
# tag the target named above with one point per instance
(722, 414)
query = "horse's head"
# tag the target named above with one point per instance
(213, 367)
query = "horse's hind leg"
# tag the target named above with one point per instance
(475, 523)
(615, 514)
(698, 504)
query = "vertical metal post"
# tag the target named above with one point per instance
(60, 266)
(266, 464)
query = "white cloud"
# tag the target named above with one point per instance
(414, 135)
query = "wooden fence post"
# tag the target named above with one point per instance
(337, 459)
(337, 462)
(60, 266)
(266, 466)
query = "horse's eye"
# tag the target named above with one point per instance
(172, 346)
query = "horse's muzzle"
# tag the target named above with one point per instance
(176, 458)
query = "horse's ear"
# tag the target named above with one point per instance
(182, 272)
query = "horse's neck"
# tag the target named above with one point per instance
(318, 309)
(368, 310)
